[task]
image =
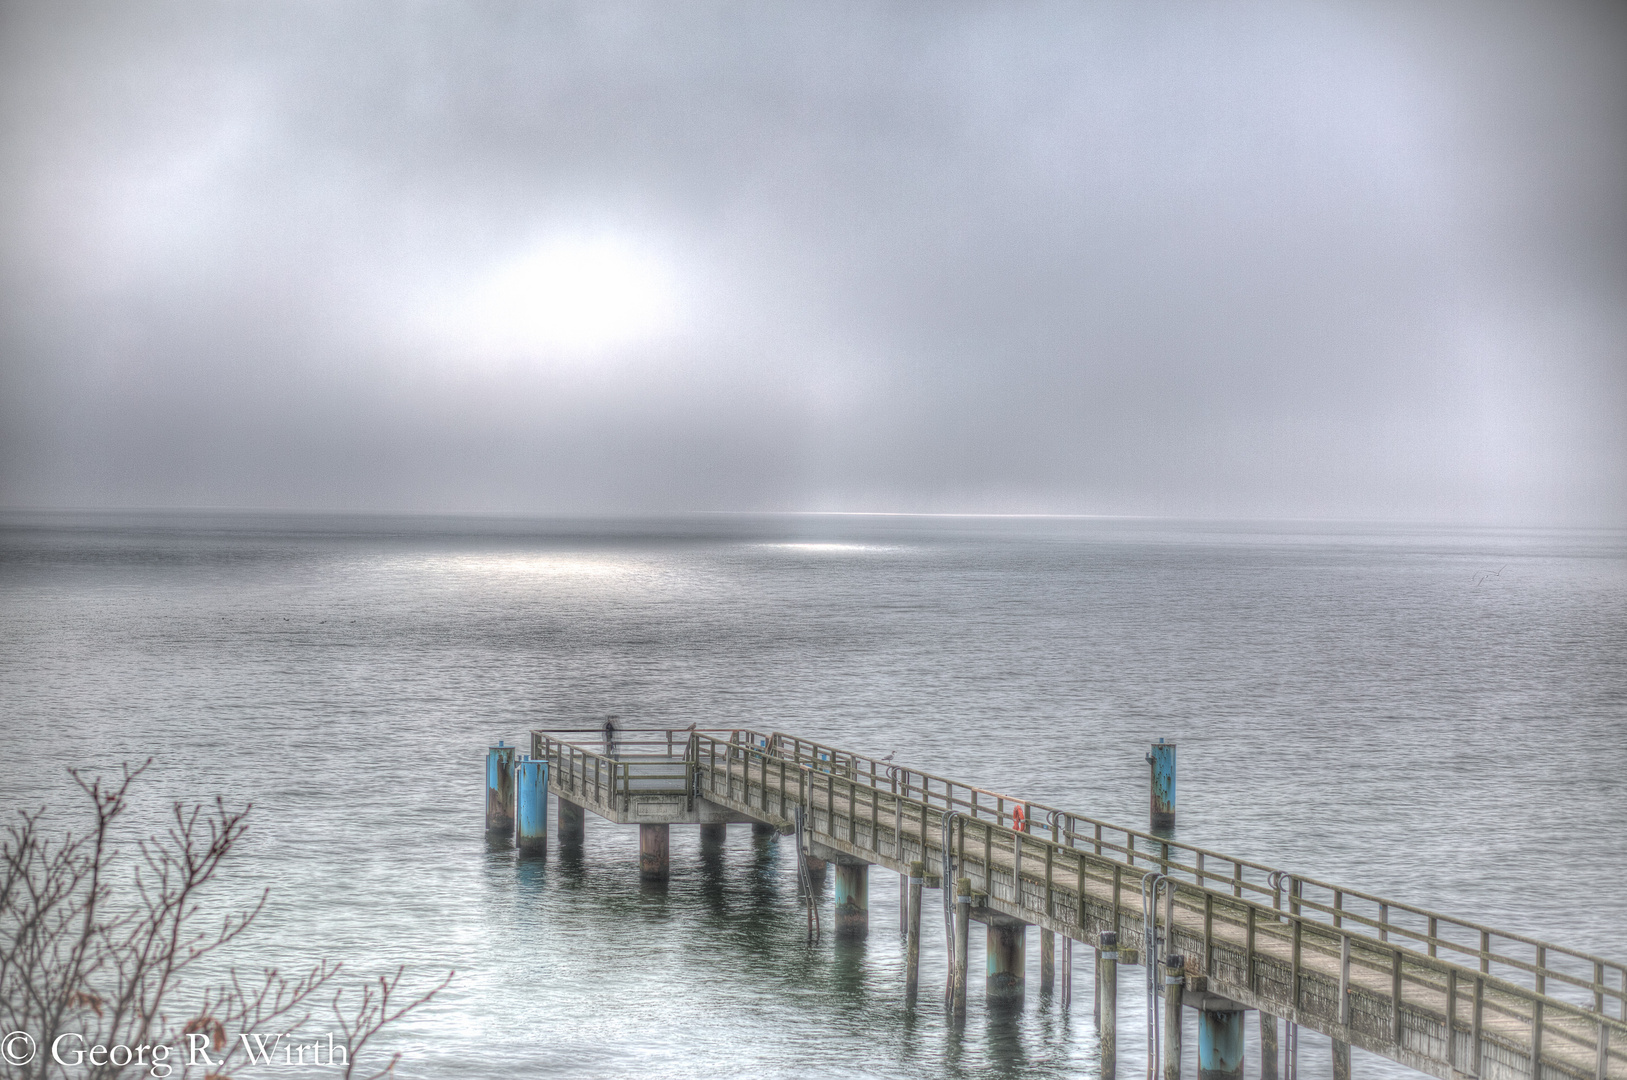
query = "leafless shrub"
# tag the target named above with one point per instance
(98, 938)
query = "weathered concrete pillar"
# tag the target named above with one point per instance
(912, 936)
(763, 828)
(1007, 949)
(572, 819)
(1220, 1045)
(816, 869)
(1341, 1060)
(713, 838)
(1268, 1046)
(531, 807)
(963, 926)
(1047, 961)
(1174, 988)
(653, 845)
(500, 791)
(1162, 760)
(1107, 1002)
(852, 900)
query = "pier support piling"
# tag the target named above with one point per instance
(763, 829)
(1174, 989)
(816, 869)
(713, 838)
(1047, 961)
(1162, 760)
(1220, 1044)
(912, 936)
(653, 845)
(1268, 1046)
(531, 807)
(572, 823)
(1007, 950)
(963, 928)
(1107, 1002)
(1341, 1060)
(500, 791)
(852, 901)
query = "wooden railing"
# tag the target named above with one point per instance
(1554, 970)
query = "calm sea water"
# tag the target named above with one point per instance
(1440, 715)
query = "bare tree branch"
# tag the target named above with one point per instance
(96, 947)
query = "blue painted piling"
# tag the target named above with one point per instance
(1162, 760)
(531, 798)
(1006, 952)
(1220, 1045)
(852, 900)
(500, 791)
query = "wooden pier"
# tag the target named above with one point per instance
(1445, 996)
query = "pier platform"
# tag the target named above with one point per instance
(1445, 996)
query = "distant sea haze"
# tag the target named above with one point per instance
(1439, 715)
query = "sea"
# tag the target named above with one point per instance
(1436, 714)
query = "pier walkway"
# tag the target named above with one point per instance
(1445, 996)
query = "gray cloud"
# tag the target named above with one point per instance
(1335, 259)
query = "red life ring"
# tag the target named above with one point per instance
(1018, 819)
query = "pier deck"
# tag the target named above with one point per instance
(1445, 996)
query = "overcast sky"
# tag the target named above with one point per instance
(1209, 259)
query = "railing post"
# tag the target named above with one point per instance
(1248, 950)
(1452, 1017)
(1536, 1039)
(1475, 1015)
(1208, 933)
(1293, 995)
(1395, 996)
(1344, 979)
